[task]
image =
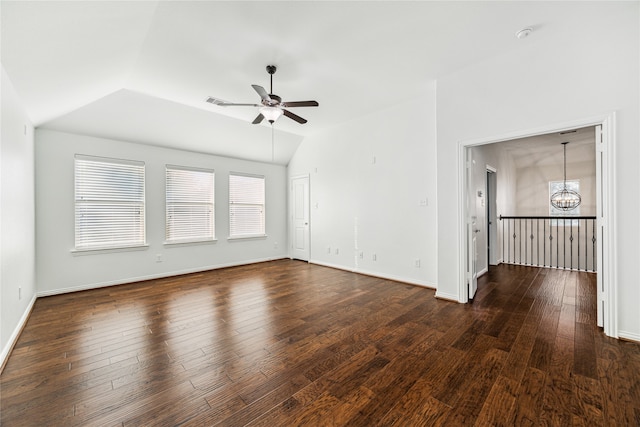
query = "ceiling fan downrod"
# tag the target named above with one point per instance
(271, 69)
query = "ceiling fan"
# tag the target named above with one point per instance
(271, 105)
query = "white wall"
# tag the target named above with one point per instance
(59, 270)
(17, 236)
(553, 77)
(533, 187)
(367, 180)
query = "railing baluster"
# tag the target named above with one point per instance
(564, 242)
(509, 239)
(531, 232)
(593, 248)
(531, 238)
(578, 245)
(544, 243)
(557, 244)
(538, 241)
(525, 241)
(571, 248)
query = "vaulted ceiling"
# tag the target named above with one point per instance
(141, 71)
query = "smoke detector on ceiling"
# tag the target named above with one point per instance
(524, 33)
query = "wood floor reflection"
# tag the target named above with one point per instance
(286, 343)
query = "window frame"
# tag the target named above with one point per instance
(136, 242)
(190, 240)
(262, 233)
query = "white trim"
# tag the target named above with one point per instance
(399, 279)
(447, 296)
(16, 333)
(395, 278)
(290, 214)
(97, 251)
(483, 271)
(177, 243)
(629, 336)
(607, 271)
(247, 237)
(153, 276)
(463, 288)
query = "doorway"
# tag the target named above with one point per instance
(605, 144)
(300, 218)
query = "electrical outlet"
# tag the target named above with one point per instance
(361, 254)
(337, 251)
(374, 257)
(416, 262)
(158, 257)
(20, 292)
(329, 249)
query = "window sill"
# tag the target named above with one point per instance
(248, 237)
(97, 251)
(189, 243)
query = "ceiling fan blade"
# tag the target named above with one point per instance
(263, 93)
(300, 104)
(258, 119)
(294, 117)
(221, 103)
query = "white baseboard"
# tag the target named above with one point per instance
(483, 271)
(447, 296)
(16, 333)
(153, 276)
(395, 278)
(630, 336)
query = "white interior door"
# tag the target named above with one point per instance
(473, 259)
(600, 218)
(472, 228)
(300, 236)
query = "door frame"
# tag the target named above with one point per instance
(490, 201)
(606, 148)
(291, 210)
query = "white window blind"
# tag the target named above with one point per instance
(246, 205)
(109, 203)
(190, 205)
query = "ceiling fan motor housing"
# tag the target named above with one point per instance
(275, 100)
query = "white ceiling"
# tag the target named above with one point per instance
(545, 150)
(141, 71)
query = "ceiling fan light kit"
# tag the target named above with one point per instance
(565, 199)
(271, 113)
(271, 105)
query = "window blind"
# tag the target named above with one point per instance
(109, 203)
(246, 205)
(189, 204)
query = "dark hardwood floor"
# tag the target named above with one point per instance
(286, 343)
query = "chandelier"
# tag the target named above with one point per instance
(565, 199)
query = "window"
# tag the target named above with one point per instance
(246, 206)
(109, 203)
(555, 186)
(189, 205)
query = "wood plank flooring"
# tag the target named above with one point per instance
(286, 343)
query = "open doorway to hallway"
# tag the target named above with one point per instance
(528, 162)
